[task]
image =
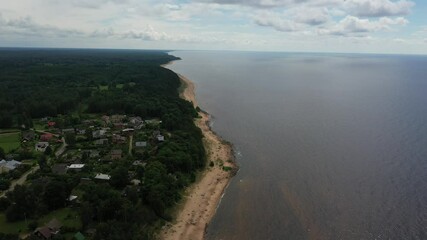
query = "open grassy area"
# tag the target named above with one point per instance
(103, 87)
(12, 228)
(10, 141)
(66, 216)
(119, 86)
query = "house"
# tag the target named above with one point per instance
(160, 138)
(106, 120)
(41, 146)
(68, 130)
(54, 225)
(51, 124)
(117, 118)
(6, 166)
(59, 169)
(99, 133)
(128, 131)
(139, 163)
(119, 125)
(140, 144)
(118, 139)
(101, 141)
(28, 135)
(76, 167)
(94, 154)
(136, 122)
(49, 230)
(43, 232)
(136, 182)
(81, 131)
(116, 154)
(46, 137)
(101, 176)
(72, 198)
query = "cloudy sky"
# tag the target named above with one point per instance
(374, 26)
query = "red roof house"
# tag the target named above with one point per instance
(51, 123)
(46, 137)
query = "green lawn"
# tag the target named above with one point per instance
(103, 87)
(12, 228)
(10, 141)
(66, 216)
(119, 86)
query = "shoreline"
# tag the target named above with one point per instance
(202, 198)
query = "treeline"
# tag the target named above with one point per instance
(30, 81)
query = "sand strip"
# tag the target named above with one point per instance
(202, 198)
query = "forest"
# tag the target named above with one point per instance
(72, 86)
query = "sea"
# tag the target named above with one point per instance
(330, 146)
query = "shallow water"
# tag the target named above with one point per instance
(330, 146)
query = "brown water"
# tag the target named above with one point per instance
(330, 146)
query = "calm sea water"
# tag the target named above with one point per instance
(331, 146)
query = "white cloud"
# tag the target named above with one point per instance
(354, 26)
(378, 8)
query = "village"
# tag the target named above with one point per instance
(89, 149)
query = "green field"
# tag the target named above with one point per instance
(12, 228)
(9, 141)
(66, 216)
(103, 87)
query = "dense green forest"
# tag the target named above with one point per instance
(72, 86)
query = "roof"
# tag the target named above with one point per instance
(11, 165)
(28, 135)
(72, 198)
(101, 141)
(140, 144)
(79, 236)
(102, 176)
(42, 144)
(116, 152)
(76, 166)
(54, 224)
(44, 231)
(59, 169)
(160, 138)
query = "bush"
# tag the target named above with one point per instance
(32, 225)
(4, 184)
(4, 204)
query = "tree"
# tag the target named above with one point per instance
(55, 194)
(42, 161)
(2, 153)
(48, 151)
(119, 177)
(70, 139)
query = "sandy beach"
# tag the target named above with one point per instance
(202, 198)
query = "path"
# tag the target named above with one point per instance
(20, 181)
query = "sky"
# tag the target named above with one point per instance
(354, 26)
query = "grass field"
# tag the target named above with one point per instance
(103, 88)
(66, 216)
(12, 228)
(9, 141)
